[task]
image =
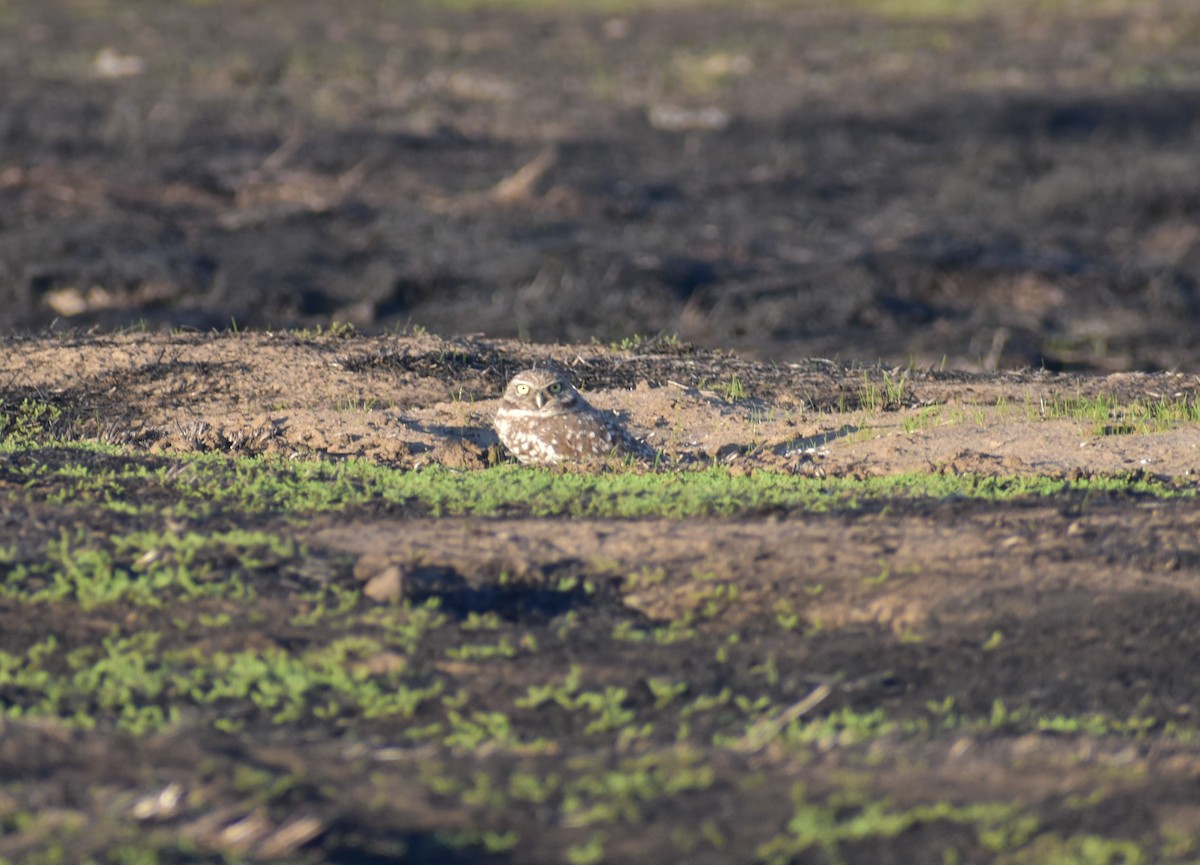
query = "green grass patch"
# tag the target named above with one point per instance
(197, 486)
(28, 422)
(150, 568)
(598, 758)
(134, 684)
(827, 827)
(1112, 416)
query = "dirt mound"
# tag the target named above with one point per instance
(418, 400)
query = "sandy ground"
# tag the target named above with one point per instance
(421, 399)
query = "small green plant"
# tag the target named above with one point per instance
(357, 404)
(787, 618)
(630, 343)
(885, 571)
(588, 852)
(665, 690)
(889, 395)
(870, 396)
(30, 422)
(926, 418)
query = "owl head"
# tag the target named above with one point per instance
(544, 392)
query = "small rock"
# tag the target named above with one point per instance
(383, 579)
(387, 585)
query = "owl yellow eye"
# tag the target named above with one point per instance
(555, 388)
(522, 389)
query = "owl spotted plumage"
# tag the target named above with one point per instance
(543, 420)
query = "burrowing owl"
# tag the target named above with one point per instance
(544, 421)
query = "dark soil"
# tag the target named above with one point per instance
(1015, 188)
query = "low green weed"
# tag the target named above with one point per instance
(1111, 416)
(207, 484)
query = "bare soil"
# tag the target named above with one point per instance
(1013, 188)
(415, 400)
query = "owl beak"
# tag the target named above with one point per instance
(540, 399)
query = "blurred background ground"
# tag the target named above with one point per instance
(979, 184)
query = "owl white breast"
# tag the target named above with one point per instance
(543, 420)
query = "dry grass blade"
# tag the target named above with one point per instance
(767, 729)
